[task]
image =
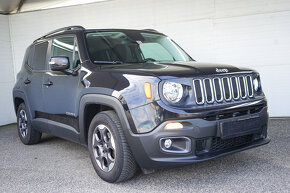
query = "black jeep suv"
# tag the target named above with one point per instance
(135, 98)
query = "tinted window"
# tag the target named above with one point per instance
(28, 58)
(65, 47)
(25, 60)
(39, 56)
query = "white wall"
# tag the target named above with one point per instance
(6, 73)
(240, 32)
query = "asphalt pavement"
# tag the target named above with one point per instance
(57, 165)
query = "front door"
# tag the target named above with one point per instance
(60, 91)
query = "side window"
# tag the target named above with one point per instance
(30, 57)
(39, 56)
(25, 60)
(66, 47)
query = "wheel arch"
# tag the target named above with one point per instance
(18, 98)
(97, 103)
(17, 102)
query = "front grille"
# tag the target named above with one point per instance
(243, 88)
(222, 89)
(227, 89)
(219, 144)
(235, 88)
(218, 90)
(198, 91)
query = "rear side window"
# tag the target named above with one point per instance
(25, 60)
(28, 58)
(39, 56)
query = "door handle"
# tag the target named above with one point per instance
(47, 84)
(27, 81)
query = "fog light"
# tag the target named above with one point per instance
(174, 126)
(175, 144)
(167, 143)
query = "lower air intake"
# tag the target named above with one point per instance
(219, 144)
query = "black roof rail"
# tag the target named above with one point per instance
(76, 27)
(152, 30)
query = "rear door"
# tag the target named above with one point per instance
(60, 97)
(36, 65)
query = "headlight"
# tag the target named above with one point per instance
(172, 91)
(257, 84)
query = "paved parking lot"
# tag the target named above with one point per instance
(56, 165)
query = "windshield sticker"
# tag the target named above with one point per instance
(139, 42)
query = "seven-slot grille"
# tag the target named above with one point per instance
(220, 89)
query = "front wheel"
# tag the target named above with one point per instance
(109, 151)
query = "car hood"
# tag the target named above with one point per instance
(174, 70)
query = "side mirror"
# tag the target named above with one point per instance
(59, 63)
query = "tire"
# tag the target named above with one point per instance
(26, 133)
(113, 165)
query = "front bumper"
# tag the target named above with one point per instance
(201, 141)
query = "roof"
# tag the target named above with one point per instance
(78, 27)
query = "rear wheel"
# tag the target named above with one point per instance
(109, 151)
(26, 133)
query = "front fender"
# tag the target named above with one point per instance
(133, 140)
(106, 100)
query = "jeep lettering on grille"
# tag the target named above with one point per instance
(222, 70)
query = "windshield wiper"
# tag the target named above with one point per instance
(108, 62)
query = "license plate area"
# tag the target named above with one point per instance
(239, 127)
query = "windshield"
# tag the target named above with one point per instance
(130, 46)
